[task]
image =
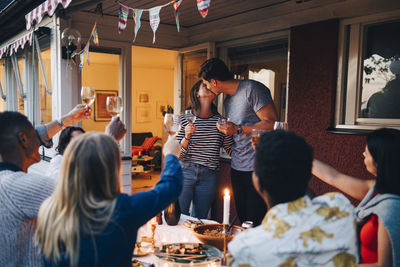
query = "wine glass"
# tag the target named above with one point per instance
(172, 123)
(114, 105)
(255, 135)
(88, 94)
(189, 116)
(222, 122)
(281, 125)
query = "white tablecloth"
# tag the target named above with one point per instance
(168, 234)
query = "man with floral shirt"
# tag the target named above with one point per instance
(296, 231)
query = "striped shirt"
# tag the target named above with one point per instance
(205, 142)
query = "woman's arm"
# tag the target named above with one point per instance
(384, 249)
(354, 187)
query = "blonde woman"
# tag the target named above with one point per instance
(87, 221)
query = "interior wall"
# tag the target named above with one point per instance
(152, 87)
(311, 106)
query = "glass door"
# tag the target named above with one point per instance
(191, 59)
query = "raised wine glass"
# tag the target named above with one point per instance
(189, 116)
(114, 105)
(88, 95)
(172, 123)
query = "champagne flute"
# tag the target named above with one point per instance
(281, 125)
(172, 123)
(88, 95)
(114, 105)
(189, 116)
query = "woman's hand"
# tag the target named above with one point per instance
(189, 130)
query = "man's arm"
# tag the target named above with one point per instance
(267, 114)
(47, 131)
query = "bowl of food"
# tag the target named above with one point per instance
(211, 234)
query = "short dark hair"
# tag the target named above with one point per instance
(283, 165)
(215, 68)
(384, 146)
(194, 100)
(65, 138)
(11, 123)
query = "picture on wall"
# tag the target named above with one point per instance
(143, 97)
(161, 106)
(100, 109)
(143, 114)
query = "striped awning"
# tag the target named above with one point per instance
(16, 44)
(47, 7)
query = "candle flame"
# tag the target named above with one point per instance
(226, 192)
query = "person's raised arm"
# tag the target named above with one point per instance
(116, 128)
(77, 114)
(352, 186)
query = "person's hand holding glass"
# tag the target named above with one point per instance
(114, 105)
(172, 124)
(88, 95)
(255, 137)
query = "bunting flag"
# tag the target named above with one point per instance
(94, 36)
(154, 15)
(177, 7)
(82, 60)
(123, 18)
(137, 14)
(86, 52)
(203, 6)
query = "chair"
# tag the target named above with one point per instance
(147, 141)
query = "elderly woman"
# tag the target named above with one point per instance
(87, 221)
(378, 211)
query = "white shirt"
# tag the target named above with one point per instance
(304, 232)
(53, 170)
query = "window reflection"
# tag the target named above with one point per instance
(380, 93)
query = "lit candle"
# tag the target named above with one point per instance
(227, 201)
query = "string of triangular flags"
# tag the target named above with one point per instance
(84, 53)
(154, 15)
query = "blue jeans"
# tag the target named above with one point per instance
(200, 186)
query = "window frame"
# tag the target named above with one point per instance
(349, 74)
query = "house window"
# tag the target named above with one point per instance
(369, 73)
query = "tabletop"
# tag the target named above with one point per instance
(168, 234)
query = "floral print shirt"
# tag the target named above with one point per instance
(304, 232)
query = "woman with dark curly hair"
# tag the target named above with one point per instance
(378, 213)
(67, 134)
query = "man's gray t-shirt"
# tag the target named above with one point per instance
(241, 109)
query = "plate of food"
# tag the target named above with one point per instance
(193, 254)
(140, 251)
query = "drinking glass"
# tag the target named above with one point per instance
(189, 116)
(255, 135)
(172, 123)
(222, 122)
(280, 125)
(88, 94)
(114, 105)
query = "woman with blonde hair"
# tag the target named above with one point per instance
(87, 221)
